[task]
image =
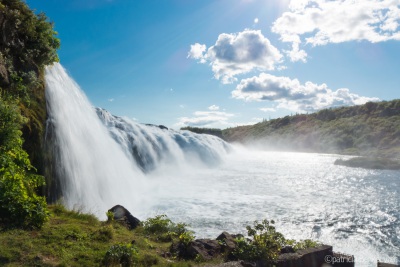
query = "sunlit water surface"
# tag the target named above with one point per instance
(355, 210)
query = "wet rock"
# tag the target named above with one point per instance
(124, 216)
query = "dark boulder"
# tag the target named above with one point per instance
(205, 248)
(287, 249)
(124, 216)
(310, 257)
(228, 241)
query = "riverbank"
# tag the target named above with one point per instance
(370, 163)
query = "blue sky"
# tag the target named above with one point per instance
(223, 63)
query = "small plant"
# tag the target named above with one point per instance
(110, 216)
(186, 237)
(265, 245)
(158, 225)
(124, 255)
(165, 229)
(303, 244)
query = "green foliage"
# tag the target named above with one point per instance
(110, 216)
(160, 224)
(265, 245)
(19, 204)
(186, 237)
(121, 255)
(164, 229)
(27, 45)
(304, 244)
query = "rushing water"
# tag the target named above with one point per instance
(103, 160)
(355, 210)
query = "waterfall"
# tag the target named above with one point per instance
(98, 160)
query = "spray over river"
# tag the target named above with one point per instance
(100, 160)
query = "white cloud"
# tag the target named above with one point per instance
(319, 22)
(213, 107)
(292, 95)
(111, 100)
(197, 52)
(238, 53)
(256, 20)
(205, 119)
(268, 109)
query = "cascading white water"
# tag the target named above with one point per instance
(154, 146)
(101, 158)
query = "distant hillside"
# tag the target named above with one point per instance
(372, 129)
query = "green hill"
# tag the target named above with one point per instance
(372, 129)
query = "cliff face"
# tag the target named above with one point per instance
(372, 129)
(27, 44)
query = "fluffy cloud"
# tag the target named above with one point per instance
(319, 22)
(205, 119)
(197, 52)
(239, 53)
(291, 94)
(213, 107)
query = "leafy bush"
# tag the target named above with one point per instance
(19, 204)
(158, 225)
(124, 255)
(265, 245)
(164, 228)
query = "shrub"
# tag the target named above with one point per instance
(157, 225)
(164, 228)
(265, 245)
(124, 255)
(19, 204)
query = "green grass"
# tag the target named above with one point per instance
(72, 238)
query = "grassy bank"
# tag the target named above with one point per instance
(71, 238)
